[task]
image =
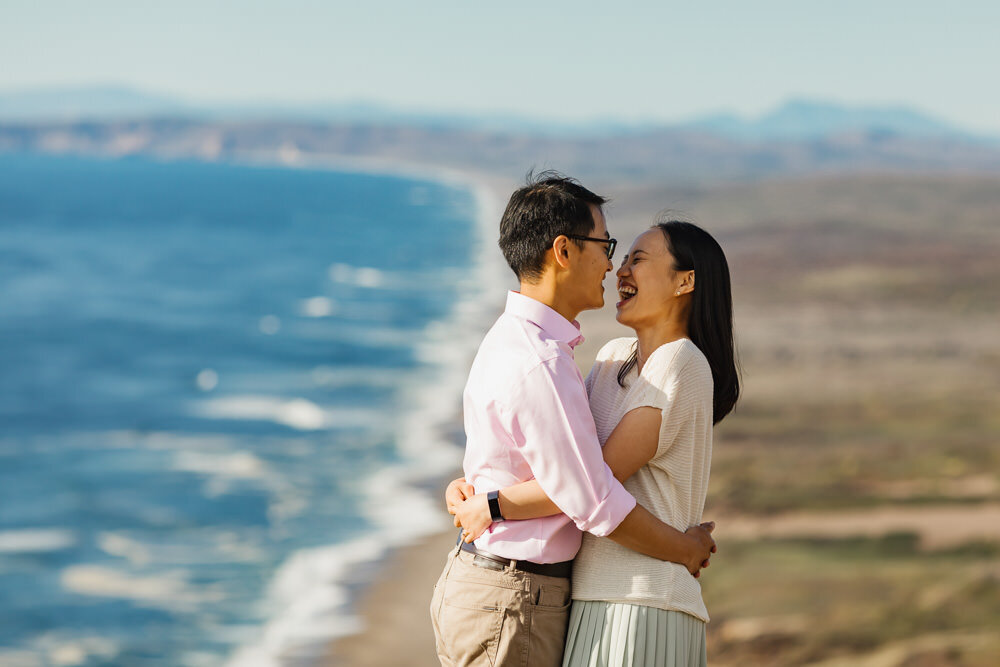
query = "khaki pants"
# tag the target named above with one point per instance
(483, 616)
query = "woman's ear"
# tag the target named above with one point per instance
(686, 286)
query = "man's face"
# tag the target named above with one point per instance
(593, 264)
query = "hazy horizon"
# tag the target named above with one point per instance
(588, 61)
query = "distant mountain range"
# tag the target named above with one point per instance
(795, 120)
(807, 119)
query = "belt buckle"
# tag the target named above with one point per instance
(488, 563)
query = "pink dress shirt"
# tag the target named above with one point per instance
(527, 416)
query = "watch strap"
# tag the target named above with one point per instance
(493, 498)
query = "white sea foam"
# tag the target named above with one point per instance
(389, 279)
(227, 464)
(298, 413)
(80, 650)
(207, 379)
(135, 552)
(226, 468)
(166, 590)
(359, 276)
(58, 648)
(36, 540)
(217, 547)
(20, 658)
(317, 306)
(55, 649)
(308, 599)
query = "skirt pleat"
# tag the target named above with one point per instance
(611, 634)
(629, 641)
(642, 636)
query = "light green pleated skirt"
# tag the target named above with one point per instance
(609, 634)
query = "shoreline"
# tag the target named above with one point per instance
(392, 605)
(394, 608)
(330, 601)
(386, 602)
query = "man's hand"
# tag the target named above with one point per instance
(473, 515)
(702, 547)
(457, 492)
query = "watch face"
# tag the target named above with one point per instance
(493, 498)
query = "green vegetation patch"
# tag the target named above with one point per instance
(798, 601)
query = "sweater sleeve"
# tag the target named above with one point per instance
(675, 384)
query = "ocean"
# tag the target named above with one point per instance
(225, 391)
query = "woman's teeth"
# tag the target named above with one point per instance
(626, 292)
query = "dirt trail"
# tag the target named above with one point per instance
(939, 526)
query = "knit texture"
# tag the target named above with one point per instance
(677, 380)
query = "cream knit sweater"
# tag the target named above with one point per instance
(676, 379)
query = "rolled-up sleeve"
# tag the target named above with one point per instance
(552, 426)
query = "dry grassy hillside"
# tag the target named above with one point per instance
(857, 485)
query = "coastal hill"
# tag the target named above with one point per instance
(800, 137)
(801, 118)
(681, 156)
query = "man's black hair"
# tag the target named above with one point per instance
(549, 205)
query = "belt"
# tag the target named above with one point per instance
(494, 562)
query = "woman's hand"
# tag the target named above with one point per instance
(457, 492)
(702, 547)
(473, 515)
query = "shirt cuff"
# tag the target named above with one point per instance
(610, 512)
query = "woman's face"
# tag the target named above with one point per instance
(647, 281)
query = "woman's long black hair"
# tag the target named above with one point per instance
(710, 320)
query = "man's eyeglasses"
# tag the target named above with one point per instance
(611, 242)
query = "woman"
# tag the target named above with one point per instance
(655, 399)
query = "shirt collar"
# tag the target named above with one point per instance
(551, 322)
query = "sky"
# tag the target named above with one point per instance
(573, 61)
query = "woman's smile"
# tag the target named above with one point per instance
(626, 292)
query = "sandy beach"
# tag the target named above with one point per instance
(397, 628)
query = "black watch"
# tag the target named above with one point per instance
(493, 498)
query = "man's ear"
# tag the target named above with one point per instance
(560, 251)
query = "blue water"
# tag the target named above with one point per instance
(200, 366)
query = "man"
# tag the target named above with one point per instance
(504, 600)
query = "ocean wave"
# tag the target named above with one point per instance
(367, 277)
(58, 648)
(309, 601)
(168, 590)
(242, 465)
(297, 413)
(36, 540)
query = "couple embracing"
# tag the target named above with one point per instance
(582, 499)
